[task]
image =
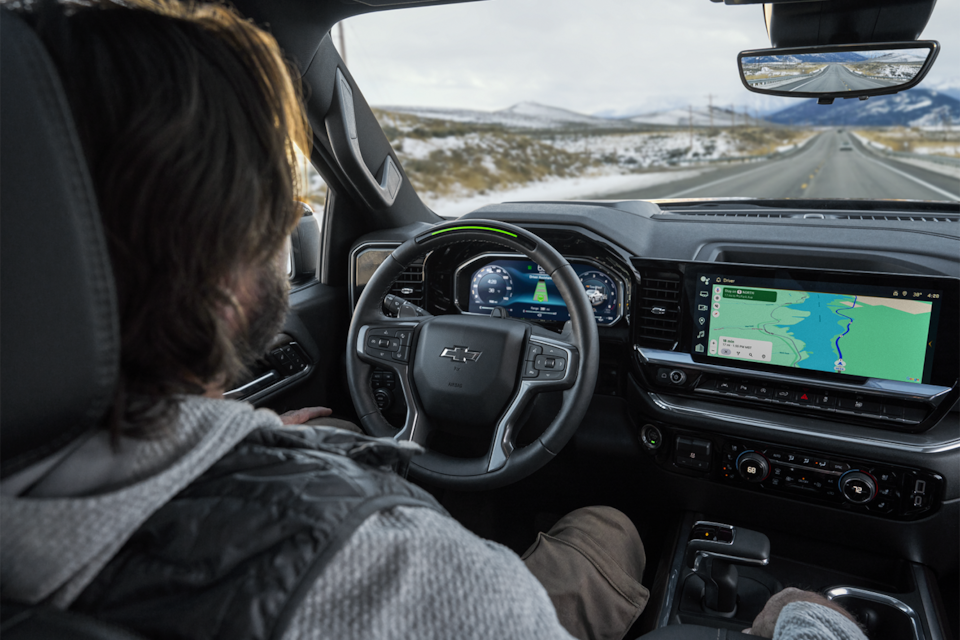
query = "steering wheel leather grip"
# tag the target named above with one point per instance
(460, 369)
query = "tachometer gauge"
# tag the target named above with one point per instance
(492, 285)
(602, 293)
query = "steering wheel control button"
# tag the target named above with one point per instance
(530, 371)
(693, 453)
(549, 363)
(533, 350)
(753, 467)
(858, 487)
(384, 399)
(402, 354)
(403, 335)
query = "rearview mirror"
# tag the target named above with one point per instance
(837, 71)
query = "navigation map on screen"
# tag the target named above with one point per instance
(877, 337)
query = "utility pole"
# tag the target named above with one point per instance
(343, 42)
(690, 108)
(733, 116)
(710, 102)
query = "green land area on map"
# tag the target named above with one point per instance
(862, 336)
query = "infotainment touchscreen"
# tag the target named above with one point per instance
(856, 329)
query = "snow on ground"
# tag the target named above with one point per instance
(650, 149)
(420, 149)
(940, 150)
(525, 115)
(580, 188)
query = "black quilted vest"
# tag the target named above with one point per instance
(233, 555)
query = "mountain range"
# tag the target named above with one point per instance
(915, 108)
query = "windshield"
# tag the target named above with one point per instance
(501, 101)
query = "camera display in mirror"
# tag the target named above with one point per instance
(838, 71)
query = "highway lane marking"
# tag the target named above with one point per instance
(915, 179)
(764, 165)
(710, 184)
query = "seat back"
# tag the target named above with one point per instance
(59, 335)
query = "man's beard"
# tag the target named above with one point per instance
(265, 320)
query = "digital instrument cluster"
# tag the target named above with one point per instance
(526, 291)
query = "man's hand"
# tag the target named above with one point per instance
(766, 622)
(301, 416)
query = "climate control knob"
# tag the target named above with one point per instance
(858, 486)
(753, 467)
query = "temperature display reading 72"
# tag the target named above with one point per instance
(526, 291)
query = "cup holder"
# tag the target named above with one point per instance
(884, 617)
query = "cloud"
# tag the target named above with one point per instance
(591, 56)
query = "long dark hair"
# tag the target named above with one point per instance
(188, 115)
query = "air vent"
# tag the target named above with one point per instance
(900, 218)
(806, 215)
(409, 284)
(729, 214)
(659, 309)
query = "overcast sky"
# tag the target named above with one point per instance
(591, 56)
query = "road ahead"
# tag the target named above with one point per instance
(835, 77)
(818, 170)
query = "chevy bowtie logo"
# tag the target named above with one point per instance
(460, 354)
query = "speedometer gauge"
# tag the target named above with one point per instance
(492, 285)
(602, 293)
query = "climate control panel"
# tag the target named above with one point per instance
(876, 488)
(880, 489)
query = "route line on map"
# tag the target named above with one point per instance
(837, 342)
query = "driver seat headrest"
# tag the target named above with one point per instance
(59, 327)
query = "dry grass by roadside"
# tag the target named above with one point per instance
(941, 142)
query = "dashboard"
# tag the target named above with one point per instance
(808, 356)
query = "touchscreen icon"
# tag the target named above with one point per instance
(702, 320)
(702, 307)
(704, 294)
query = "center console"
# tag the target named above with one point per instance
(877, 352)
(722, 575)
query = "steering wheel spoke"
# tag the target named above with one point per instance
(549, 365)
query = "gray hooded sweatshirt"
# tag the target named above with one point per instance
(406, 572)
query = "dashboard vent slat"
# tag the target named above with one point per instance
(409, 284)
(659, 309)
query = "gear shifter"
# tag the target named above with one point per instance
(713, 551)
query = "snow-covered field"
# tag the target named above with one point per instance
(461, 160)
(591, 187)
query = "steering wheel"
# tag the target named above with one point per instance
(472, 372)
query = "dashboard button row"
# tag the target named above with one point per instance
(820, 399)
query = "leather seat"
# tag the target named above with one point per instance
(58, 323)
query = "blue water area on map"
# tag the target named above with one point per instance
(820, 330)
